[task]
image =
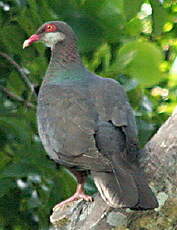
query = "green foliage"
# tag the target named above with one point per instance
(139, 59)
(133, 43)
(160, 17)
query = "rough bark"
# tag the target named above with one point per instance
(159, 159)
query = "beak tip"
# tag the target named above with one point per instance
(25, 44)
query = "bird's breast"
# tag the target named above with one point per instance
(66, 122)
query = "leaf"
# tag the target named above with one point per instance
(101, 56)
(87, 31)
(141, 60)
(133, 27)
(15, 83)
(112, 19)
(5, 185)
(18, 127)
(98, 7)
(10, 36)
(93, 7)
(19, 169)
(130, 9)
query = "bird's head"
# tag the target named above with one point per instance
(51, 33)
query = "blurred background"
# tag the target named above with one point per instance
(133, 42)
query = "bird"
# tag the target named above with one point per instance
(87, 125)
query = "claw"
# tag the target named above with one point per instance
(79, 194)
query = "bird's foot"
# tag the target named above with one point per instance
(79, 194)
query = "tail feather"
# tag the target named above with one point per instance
(125, 185)
(147, 199)
(122, 189)
(116, 191)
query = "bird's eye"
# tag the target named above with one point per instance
(50, 28)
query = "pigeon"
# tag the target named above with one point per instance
(86, 124)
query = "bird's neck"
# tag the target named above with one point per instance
(65, 63)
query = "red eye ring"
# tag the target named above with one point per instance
(50, 28)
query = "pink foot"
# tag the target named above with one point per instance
(79, 194)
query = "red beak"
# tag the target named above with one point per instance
(29, 41)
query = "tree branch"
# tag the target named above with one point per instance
(16, 97)
(21, 71)
(159, 159)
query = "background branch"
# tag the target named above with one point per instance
(24, 77)
(16, 97)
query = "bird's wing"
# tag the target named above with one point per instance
(67, 123)
(127, 117)
(112, 105)
(116, 139)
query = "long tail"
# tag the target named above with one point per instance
(125, 185)
(124, 188)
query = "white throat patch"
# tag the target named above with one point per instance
(50, 39)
